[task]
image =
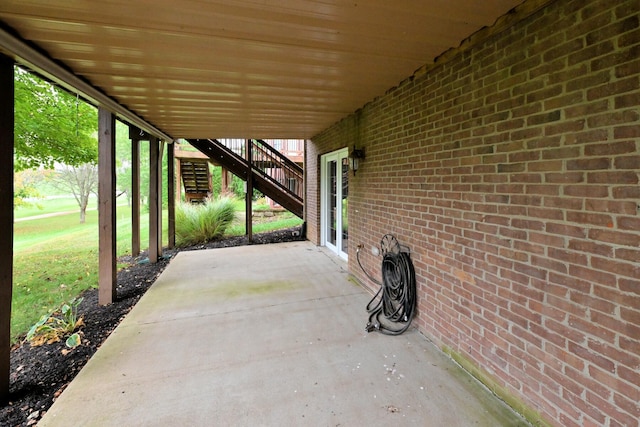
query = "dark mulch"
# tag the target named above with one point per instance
(40, 374)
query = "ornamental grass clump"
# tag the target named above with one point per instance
(204, 222)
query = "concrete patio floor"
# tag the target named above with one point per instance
(267, 335)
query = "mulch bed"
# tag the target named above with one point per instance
(39, 374)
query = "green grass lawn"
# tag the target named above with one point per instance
(286, 220)
(56, 258)
(282, 220)
(51, 205)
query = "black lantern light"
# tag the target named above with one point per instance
(354, 157)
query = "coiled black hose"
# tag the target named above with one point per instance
(396, 298)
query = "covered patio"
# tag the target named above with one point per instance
(498, 140)
(208, 70)
(281, 344)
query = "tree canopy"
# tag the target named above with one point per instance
(51, 125)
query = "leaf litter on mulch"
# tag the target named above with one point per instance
(39, 374)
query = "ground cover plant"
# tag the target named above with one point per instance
(55, 326)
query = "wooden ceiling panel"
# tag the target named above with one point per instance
(213, 69)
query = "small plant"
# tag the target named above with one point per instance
(54, 326)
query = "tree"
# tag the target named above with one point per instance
(25, 184)
(54, 128)
(51, 125)
(81, 181)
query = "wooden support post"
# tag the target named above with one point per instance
(171, 194)
(106, 206)
(178, 181)
(135, 194)
(160, 155)
(249, 194)
(210, 183)
(153, 199)
(224, 182)
(6, 220)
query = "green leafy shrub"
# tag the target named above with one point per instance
(202, 223)
(54, 326)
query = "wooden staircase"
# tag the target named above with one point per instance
(271, 172)
(193, 171)
(196, 179)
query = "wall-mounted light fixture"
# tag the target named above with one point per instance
(354, 157)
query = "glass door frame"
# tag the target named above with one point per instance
(337, 156)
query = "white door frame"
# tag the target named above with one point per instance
(325, 159)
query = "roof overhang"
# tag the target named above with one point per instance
(217, 69)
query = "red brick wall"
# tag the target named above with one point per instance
(511, 169)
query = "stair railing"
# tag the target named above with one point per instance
(276, 167)
(267, 162)
(233, 144)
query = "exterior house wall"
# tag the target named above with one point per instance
(336, 138)
(511, 170)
